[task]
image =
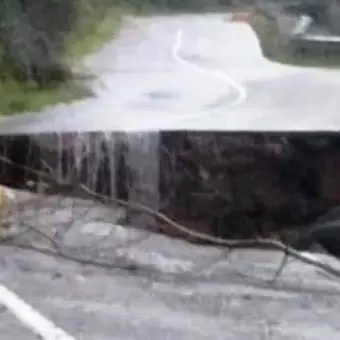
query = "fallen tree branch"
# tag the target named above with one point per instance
(267, 244)
(257, 243)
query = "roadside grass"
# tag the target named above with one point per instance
(89, 34)
(277, 47)
(92, 30)
(18, 98)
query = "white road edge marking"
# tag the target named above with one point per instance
(242, 93)
(240, 89)
(32, 319)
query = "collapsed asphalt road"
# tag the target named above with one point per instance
(173, 289)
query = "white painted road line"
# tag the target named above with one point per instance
(238, 87)
(30, 318)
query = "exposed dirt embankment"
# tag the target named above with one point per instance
(234, 186)
(241, 186)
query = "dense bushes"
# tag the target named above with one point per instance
(32, 39)
(38, 39)
(35, 36)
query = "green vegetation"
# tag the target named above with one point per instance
(17, 97)
(41, 40)
(278, 47)
(35, 68)
(92, 29)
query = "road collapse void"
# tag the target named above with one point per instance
(228, 185)
(206, 157)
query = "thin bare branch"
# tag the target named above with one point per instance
(267, 244)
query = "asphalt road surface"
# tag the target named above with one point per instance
(156, 287)
(196, 72)
(173, 73)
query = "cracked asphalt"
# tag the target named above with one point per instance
(172, 290)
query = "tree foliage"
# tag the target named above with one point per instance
(32, 39)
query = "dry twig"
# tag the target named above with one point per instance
(267, 244)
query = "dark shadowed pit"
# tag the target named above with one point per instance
(232, 186)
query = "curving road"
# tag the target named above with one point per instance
(193, 72)
(159, 78)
